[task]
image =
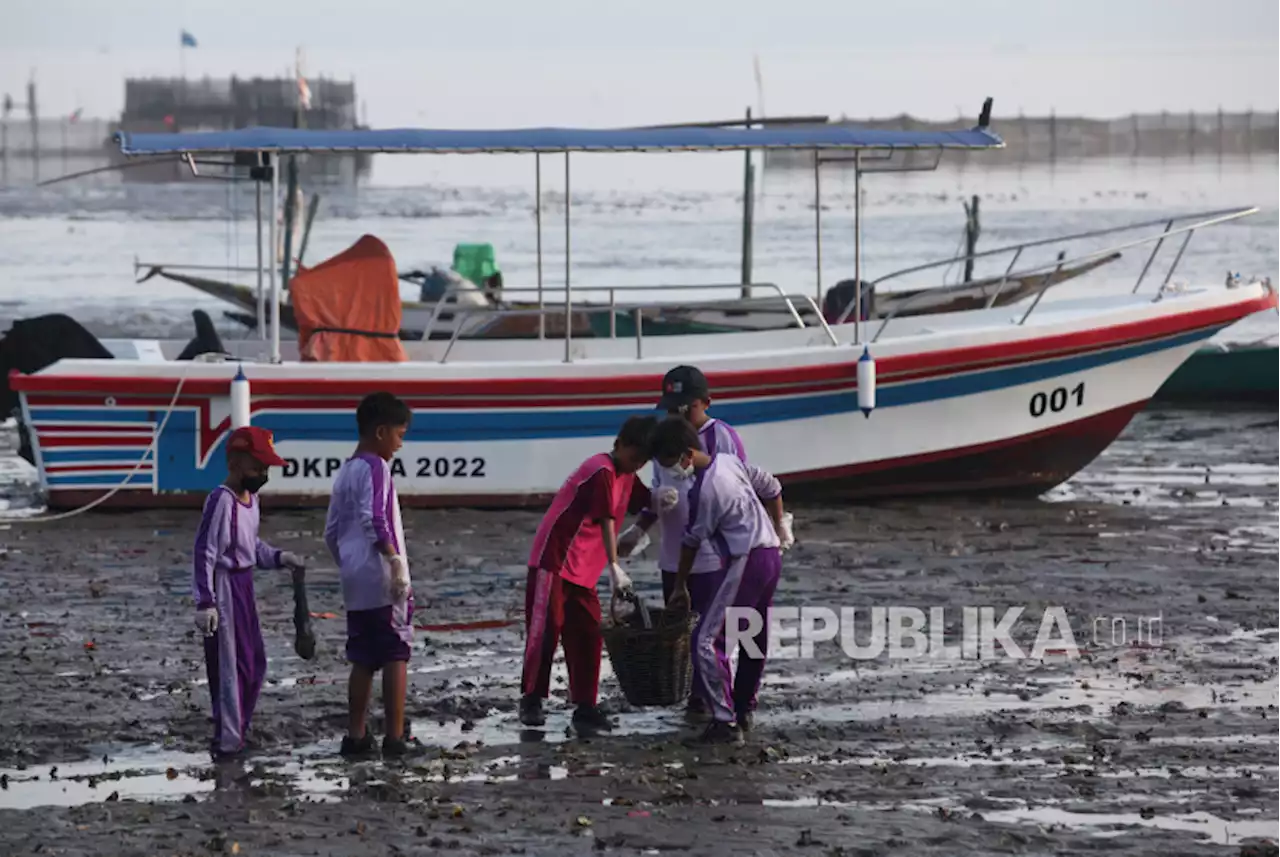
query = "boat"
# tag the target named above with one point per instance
(436, 319)
(474, 282)
(445, 320)
(1226, 373)
(997, 399)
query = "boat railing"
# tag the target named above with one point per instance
(442, 304)
(1051, 269)
(635, 309)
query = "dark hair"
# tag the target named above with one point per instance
(673, 437)
(636, 432)
(381, 409)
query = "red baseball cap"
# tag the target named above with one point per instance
(257, 442)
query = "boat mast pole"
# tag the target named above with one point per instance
(537, 217)
(271, 269)
(568, 295)
(857, 246)
(817, 219)
(262, 305)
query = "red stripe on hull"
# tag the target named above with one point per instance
(76, 467)
(89, 429)
(94, 441)
(890, 369)
(1028, 464)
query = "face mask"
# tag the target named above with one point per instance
(679, 473)
(253, 484)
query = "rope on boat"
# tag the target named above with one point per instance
(149, 452)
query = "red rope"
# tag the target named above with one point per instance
(469, 626)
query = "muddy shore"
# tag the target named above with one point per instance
(1164, 745)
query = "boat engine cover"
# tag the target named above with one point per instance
(32, 344)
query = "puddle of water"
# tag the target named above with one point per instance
(149, 776)
(1101, 694)
(1197, 772)
(802, 802)
(1178, 740)
(498, 729)
(156, 775)
(1212, 828)
(922, 761)
(1207, 826)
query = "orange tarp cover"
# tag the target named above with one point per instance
(348, 308)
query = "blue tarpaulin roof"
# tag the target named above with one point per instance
(531, 140)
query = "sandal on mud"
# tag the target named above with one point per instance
(531, 713)
(717, 732)
(358, 747)
(589, 721)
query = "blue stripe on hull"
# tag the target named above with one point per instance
(109, 479)
(177, 448)
(59, 455)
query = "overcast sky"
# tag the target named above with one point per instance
(600, 62)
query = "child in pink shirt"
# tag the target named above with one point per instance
(575, 543)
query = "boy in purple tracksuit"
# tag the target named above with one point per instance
(227, 550)
(737, 508)
(365, 535)
(685, 392)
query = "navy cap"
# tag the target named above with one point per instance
(682, 386)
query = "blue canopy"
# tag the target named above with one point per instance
(532, 140)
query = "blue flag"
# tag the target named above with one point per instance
(188, 40)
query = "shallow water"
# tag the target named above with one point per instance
(72, 247)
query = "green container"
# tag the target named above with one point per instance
(476, 262)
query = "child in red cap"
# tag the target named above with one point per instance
(226, 552)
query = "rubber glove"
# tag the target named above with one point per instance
(785, 534)
(667, 498)
(620, 581)
(399, 578)
(207, 621)
(291, 560)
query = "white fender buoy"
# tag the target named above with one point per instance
(239, 400)
(866, 382)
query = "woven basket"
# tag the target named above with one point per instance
(652, 664)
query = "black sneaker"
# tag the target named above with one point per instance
(718, 732)
(531, 713)
(357, 747)
(589, 721)
(399, 748)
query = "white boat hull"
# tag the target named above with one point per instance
(965, 402)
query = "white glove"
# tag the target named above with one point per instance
(207, 621)
(640, 537)
(667, 498)
(399, 578)
(620, 581)
(291, 561)
(785, 534)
